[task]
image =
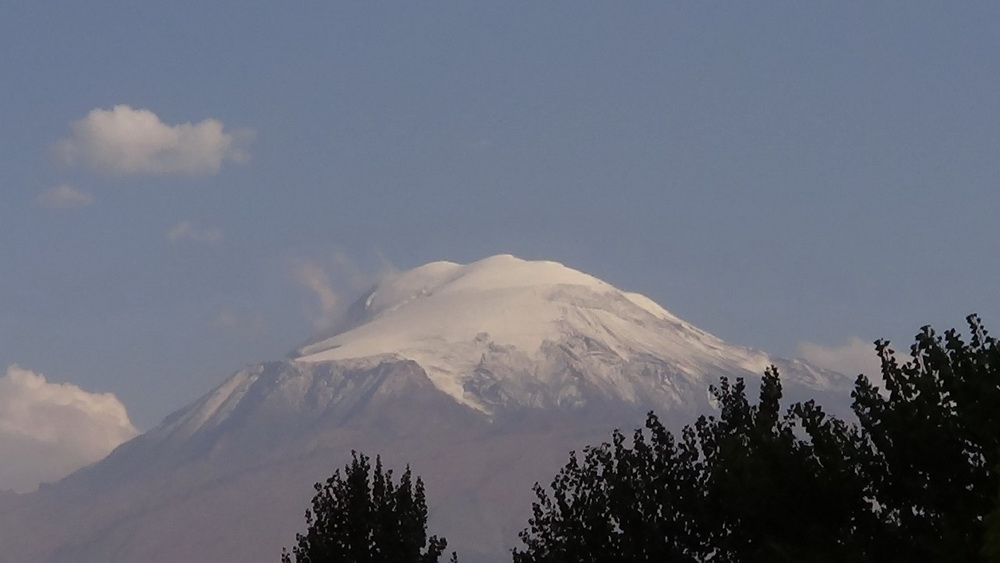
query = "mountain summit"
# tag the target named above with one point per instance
(504, 332)
(480, 376)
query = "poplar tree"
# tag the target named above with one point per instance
(366, 517)
(912, 479)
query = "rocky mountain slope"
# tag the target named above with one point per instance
(482, 377)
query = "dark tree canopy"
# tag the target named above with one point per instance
(749, 485)
(912, 480)
(364, 517)
(935, 436)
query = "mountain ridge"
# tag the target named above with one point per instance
(451, 318)
(480, 376)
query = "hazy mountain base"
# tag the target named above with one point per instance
(239, 491)
(482, 377)
(229, 477)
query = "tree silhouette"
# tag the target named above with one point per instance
(912, 480)
(936, 436)
(743, 486)
(365, 517)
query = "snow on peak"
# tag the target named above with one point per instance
(455, 319)
(496, 273)
(445, 303)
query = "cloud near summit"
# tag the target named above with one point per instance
(313, 277)
(48, 430)
(128, 141)
(855, 357)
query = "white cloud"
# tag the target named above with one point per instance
(48, 430)
(315, 278)
(64, 197)
(854, 357)
(188, 231)
(123, 140)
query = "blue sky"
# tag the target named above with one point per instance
(777, 173)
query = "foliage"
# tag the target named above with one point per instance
(991, 542)
(365, 517)
(910, 481)
(936, 438)
(740, 487)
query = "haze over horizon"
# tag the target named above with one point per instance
(192, 188)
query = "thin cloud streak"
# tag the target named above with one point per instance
(313, 277)
(186, 231)
(329, 281)
(855, 357)
(64, 196)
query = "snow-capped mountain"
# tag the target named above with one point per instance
(481, 376)
(498, 336)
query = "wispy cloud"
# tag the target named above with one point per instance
(127, 141)
(48, 430)
(64, 196)
(186, 231)
(314, 278)
(330, 280)
(854, 357)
